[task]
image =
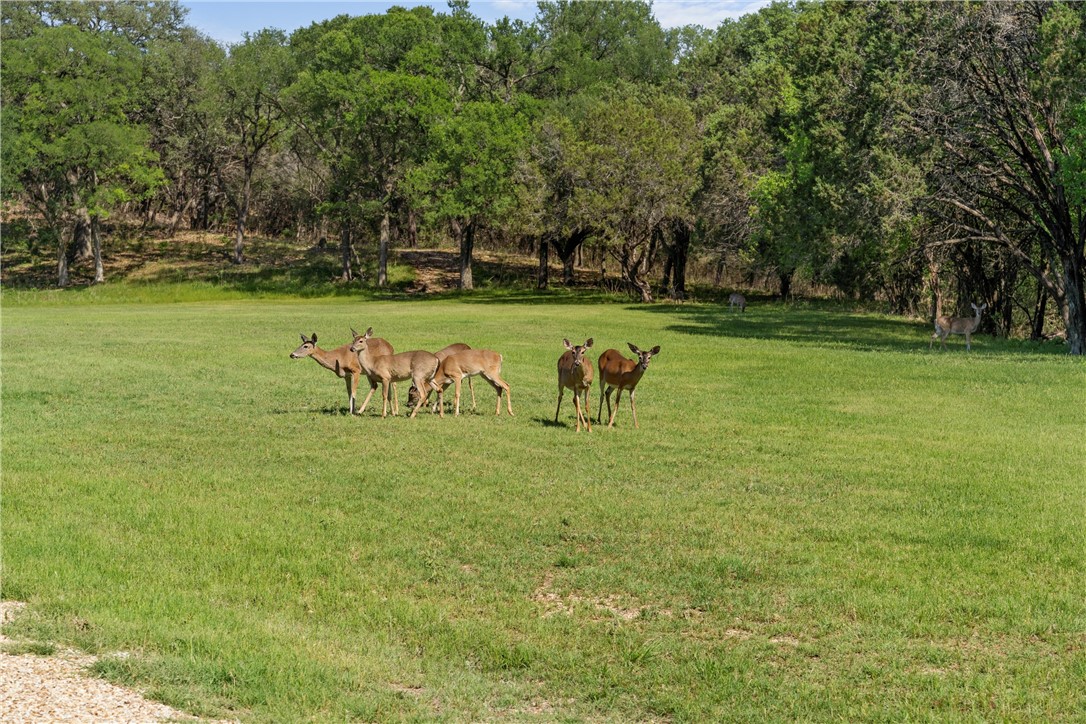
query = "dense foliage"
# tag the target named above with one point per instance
(925, 155)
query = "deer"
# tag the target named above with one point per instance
(575, 373)
(737, 300)
(418, 366)
(413, 393)
(619, 373)
(340, 360)
(466, 364)
(946, 326)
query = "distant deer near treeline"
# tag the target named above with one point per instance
(737, 300)
(946, 326)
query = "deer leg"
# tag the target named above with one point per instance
(457, 383)
(373, 387)
(501, 386)
(587, 414)
(599, 412)
(968, 347)
(471, 386)
(613, 415)
(421, 384)
(633, 408)
(352, 388)
(440, 402)
(561, 393)
(577, 408)
(384, 398)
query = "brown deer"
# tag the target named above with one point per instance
(946, 326)
(418, 366)
(575, 372)
(340, 360)
(468, 363)
(619, 373)
(413, 393)
(737, 300)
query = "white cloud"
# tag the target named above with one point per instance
(710, 13)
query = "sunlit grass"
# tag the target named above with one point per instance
(818, 519)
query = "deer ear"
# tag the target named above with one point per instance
(314, 338)
(655, 350)
(588, 343)
(304, 339)
(567, 344)
(353, 333)
(633, 348)
(369, 332)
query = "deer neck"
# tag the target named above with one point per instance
(975, 324)
(328, 360)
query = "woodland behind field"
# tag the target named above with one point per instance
(922, 155)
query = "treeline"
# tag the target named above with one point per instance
(926, 155)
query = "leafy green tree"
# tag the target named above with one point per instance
(69, 146)
(248, 94)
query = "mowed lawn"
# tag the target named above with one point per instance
(819, 519)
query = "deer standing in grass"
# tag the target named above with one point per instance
(575, 373)
(466, 364)
(441, 354)
(946, 326)
(737, 300)
(619, 373)
(343, 362)
(418, 366)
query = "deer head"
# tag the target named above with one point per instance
(359, 343)
(307, 348)
(578, 350)
(643, 357)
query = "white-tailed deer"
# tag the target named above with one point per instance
(737, 300)
(619, 373)
(340, 360)
(468, 363)
(441, 354)
(575, 373)
(946, 326)
(418, 366)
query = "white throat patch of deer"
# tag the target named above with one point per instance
(419, 366)
(946, 326)
(575, 373)
(619, 373)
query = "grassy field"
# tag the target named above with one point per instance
(817, 520)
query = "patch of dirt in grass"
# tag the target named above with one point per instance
(56, 687)
(554, 604)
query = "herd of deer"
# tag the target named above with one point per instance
(374, 358)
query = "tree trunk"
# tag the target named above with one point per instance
(345, 251)
(1073, 307)
(96, 244)
(543, 275)
(718, 277)
(382, 252)
(677, 256)
(412, 229)
(80, 247)
(786, 284)
(243, 215)
(467, 244)
(62, 258)
(1038, 328)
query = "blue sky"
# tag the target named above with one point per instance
(227, 21)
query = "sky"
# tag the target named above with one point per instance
(228, 21)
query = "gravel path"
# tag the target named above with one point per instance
(57, 689)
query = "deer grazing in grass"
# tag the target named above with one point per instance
(418, 366)
(468, 363)
(575, 373)
(946, 326)
(343, 362)
(737, 300)
(619, 373)
(441, 354)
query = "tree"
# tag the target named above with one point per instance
(69, 146)
(250, 83)
(1006, 114)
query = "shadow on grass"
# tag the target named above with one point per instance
(828, 324)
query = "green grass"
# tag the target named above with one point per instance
(818, 519)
